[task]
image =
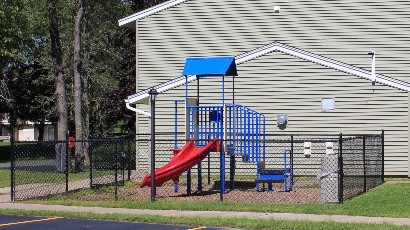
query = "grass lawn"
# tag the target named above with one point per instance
(4, 178)
(28, 177)
(388, 200)
(215, 222)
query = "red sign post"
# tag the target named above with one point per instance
(71, 142)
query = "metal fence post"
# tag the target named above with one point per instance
(12, 165)
(291, 162)
(90, 155)
(188, 183)
(66, 162)
(341, 168)
(123, 158)
(231, 172)
(209, 169)
(364, 165)
(382, 137)
(153, 94)
(116, 170)
(129, 158)
(222, 171)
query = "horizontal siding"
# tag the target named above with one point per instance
(278, 83)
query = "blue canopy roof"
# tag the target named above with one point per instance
(210, 66)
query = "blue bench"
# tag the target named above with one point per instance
(273, 175)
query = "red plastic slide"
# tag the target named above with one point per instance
(183, 160)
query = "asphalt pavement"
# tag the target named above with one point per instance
(52, 223)
(210, 214)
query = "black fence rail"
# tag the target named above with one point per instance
(361, 164)
(40, 169)
(294, 168)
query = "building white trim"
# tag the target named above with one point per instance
(129, 21)
(321, 60)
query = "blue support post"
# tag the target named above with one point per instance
(249, 137)
(222, 172)
(264, 137)
(284, 172)
(253, 137)
(236, 129)
(199, 164)
(243, 132)
(257, 139)
(188, 172)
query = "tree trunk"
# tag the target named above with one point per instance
(78, 113)
(57, 56)
(86, 115)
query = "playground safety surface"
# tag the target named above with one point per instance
(298, 195)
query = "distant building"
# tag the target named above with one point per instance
(28, 131)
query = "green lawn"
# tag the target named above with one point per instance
(242, 223)
(4, 178)
(4, 143)
(389, 200)
(27, 177)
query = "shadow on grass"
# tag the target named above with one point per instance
(5, 151)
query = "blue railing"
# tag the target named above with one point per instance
(245, 133)
(205, 123)
(244, 129)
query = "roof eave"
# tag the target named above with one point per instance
(129, 22)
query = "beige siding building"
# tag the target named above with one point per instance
(277, 83)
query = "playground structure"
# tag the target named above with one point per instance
(239, 130)
(242, 131)
(269, 176)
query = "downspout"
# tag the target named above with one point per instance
(138, 111)
(408, 134)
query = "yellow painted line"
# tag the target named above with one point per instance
(198, 228)
(30, 221)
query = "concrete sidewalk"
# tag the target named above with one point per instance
(5, 195)
(4, 165)
(208, 214)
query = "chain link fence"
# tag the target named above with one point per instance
(41, 169)
(299, 168)
(362, 165)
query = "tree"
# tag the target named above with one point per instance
(78, 86)
(20, 62)
(57, 57)
(13, 23)
(101, 52)
(102, 46)
(31, 94)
